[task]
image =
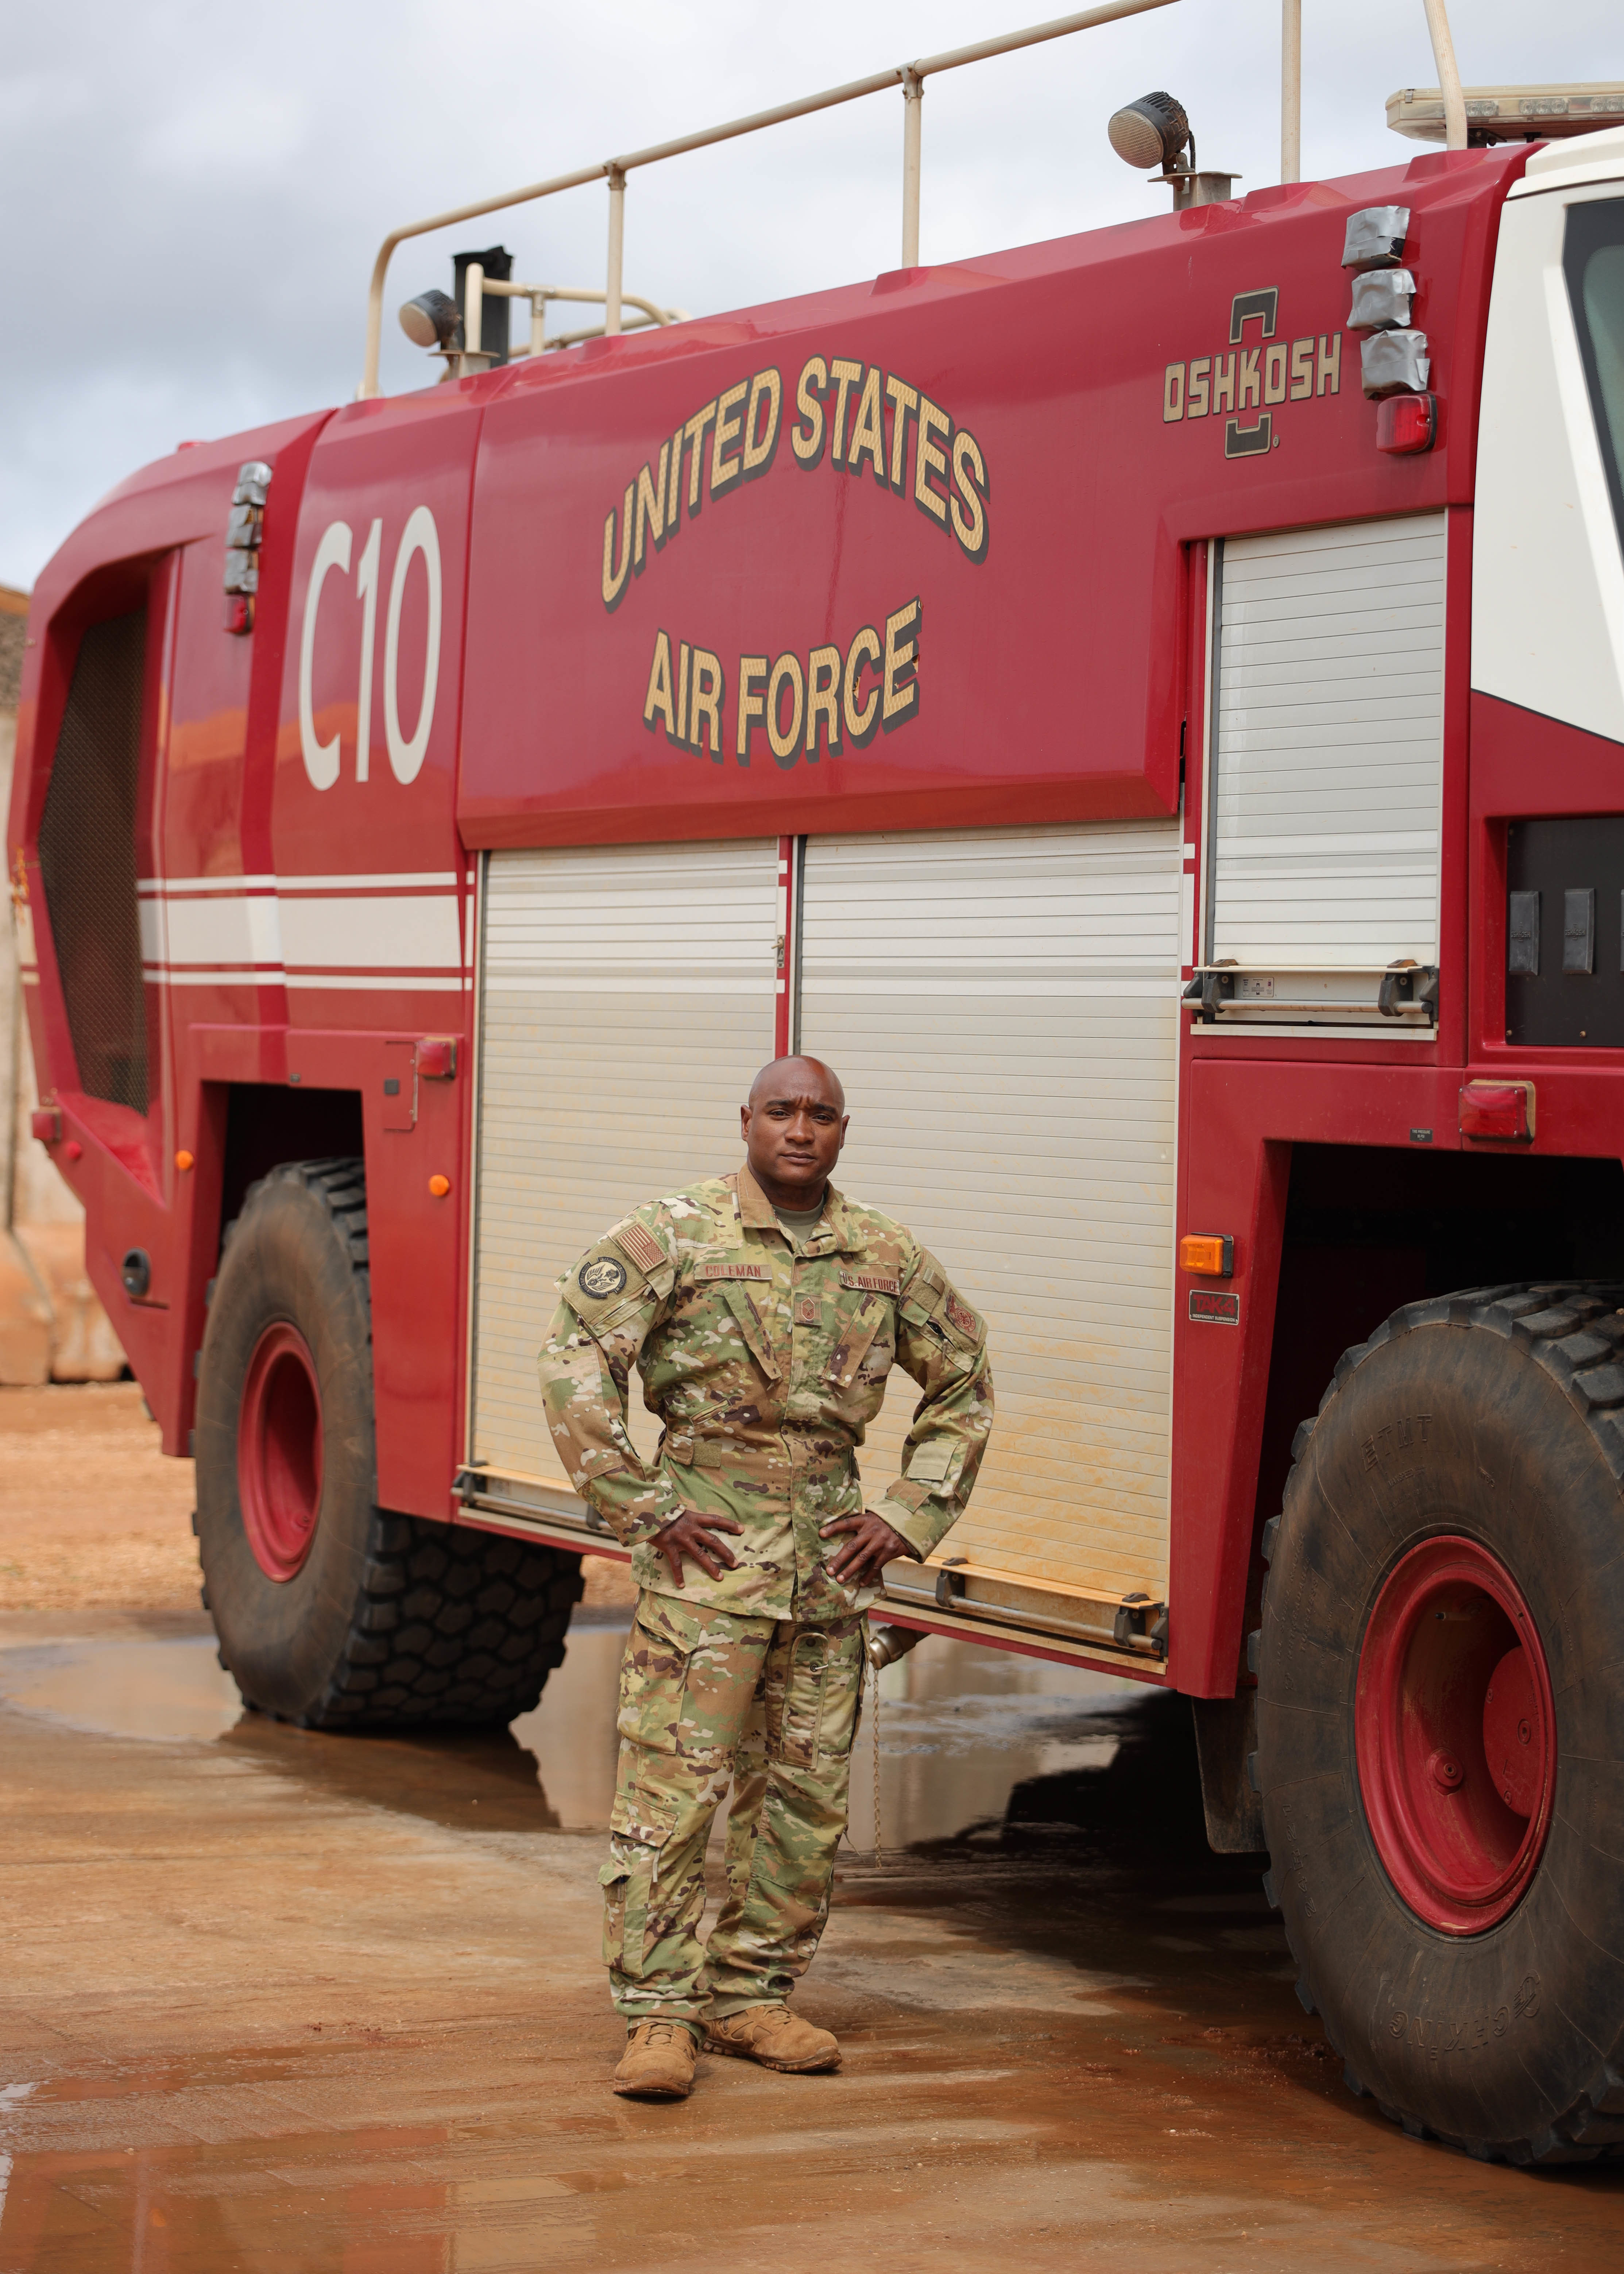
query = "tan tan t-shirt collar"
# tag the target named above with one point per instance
(757, 1211)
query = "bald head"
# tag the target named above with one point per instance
(798, 1078)
(794, 1128)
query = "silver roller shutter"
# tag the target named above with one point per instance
(627, 998)
(1327, 764)
(1002, 1006)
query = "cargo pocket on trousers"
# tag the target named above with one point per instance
(819, 1719)
(653, 1677)
(639, 1829)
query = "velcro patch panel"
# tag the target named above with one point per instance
(634, 1239)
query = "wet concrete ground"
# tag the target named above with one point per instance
(274, 2000)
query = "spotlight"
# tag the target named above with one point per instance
(431, 320)
(1151, 132)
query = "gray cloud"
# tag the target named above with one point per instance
(196, 193)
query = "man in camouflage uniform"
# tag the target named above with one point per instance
(763, 1312)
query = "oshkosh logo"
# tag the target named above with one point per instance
(1257, 370)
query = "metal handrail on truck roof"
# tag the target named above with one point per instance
(909, 77)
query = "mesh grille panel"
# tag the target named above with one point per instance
(87, 860)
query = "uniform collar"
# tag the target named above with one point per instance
(757, 1213)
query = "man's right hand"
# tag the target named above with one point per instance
(696, 1535)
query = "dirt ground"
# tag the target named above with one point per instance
(93, 1517)
(280, 2003)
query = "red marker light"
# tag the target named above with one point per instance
(1406, 423)
(1497, 1110)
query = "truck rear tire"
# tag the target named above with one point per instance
(1441, 1718)
(332, 1612)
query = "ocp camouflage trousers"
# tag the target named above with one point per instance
(709, 1698)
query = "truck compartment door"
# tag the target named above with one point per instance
(1002, 1006)
(1324, 797)
(629, 995)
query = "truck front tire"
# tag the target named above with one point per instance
(333, 1612)
(1441, 1718)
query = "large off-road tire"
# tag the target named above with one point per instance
(331, 1611)
(1441, 1718)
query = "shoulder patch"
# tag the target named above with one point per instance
(733, 1271)
(640, 1244)
(604, 1274)
(872, 1283)
(962, 1316)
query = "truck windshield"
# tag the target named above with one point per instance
(1593, 255)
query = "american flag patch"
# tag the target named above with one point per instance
(871, 1283)
(735, 1271)
(645, 1251)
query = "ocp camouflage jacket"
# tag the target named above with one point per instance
(766, 1364)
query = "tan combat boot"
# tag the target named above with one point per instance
(776, 2037)
(658, 2063)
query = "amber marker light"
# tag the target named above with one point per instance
(1212, 1255)
(182, 1160)
(440, 1186)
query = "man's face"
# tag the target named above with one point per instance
(794, 1128)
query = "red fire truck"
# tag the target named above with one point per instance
(1149, 710)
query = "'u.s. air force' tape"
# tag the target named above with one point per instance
(603, 1275)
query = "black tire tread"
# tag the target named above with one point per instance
(451, 1625)
(1574, 1330)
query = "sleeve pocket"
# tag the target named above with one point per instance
(933, 1461)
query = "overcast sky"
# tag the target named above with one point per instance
(196, 193)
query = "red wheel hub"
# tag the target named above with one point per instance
(279, 1451)
(1456, 1736)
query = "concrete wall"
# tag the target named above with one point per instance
(52, 1326)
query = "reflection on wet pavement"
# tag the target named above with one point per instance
(284, 2004)
(960, 1728)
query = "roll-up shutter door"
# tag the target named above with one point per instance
(627, 998)
(1327, 757)
(1002, 1008)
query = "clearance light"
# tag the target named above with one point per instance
(1406, 423)
(1212, 1255)
(1502, 1111)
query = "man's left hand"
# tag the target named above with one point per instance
(873, 1544)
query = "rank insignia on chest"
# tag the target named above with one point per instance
(603, 1275)
(806, 1311)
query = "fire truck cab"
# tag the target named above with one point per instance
(1149, 708)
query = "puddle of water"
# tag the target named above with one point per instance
(127, 1688)
(960, 1730)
